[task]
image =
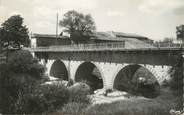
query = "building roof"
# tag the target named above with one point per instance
(129, 35)
(109, 36)
(117, 36)
(47, 36)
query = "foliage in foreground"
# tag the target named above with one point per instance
(176, 82)
(49, 98)
(73, 108)
(79, 93)
(44, 99)
(131, 106)
(21, 90)
(18, 77)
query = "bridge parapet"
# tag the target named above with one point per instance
(110, 46)
(81, 47)
(166, 45)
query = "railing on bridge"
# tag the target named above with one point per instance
(155, 45)
(94, 46)
(109, 46)
(74, 47)
(167, 45)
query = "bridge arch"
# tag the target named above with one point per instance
(160, 72)
(59, 70)
(90, 73)
(136, 79)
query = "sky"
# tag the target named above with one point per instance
(155, 19)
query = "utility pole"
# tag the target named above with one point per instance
(56, 29)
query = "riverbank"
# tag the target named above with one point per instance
(133, 105)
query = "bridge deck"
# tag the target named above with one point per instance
(122, 46)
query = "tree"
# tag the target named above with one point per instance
(78, 25)
(14, 32)
(176, 82)
(2, 38)
(176, 73)
(180, 32)
(168, 40)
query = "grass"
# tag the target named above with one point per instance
(131, 106)
(136, 106)
(73, 108)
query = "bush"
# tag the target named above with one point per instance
(132, 106)
(12, 87)
(22, 61)
(44, 99)
(79, 93)
(18, 77)
(50, 98)
(176, 82)
(28, 103)
(56, 95)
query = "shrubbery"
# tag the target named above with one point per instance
(44, 99)
(79, 93)
(176, 82)
(17, 78)
(13, 87)
(55, 96)
(50, 98)
(78, 100)
(23, 62)
(22, 93)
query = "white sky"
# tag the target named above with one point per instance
(152, 18)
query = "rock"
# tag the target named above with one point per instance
(51, 78)
(117, 93)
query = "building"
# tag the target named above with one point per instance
(117, 37)
(44, 40)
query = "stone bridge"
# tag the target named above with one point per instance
(111, 61)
